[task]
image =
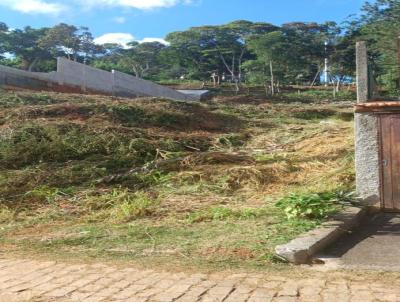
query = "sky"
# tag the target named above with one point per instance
(148, 20)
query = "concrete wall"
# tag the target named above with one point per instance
(79, 78)
(367, 158)
(112, 83)
(83, 76)
(125, 84)
(20, 78)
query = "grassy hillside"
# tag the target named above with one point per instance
(169, 183)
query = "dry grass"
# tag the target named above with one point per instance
(200, 179)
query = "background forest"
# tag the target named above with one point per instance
(240, 51)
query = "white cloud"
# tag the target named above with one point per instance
(55, 7)
(117, 38)
(34, 6)
(146, 40)
(119, 20)
(138, 4)
(124, 38)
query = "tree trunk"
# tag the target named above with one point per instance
(145, 69)
(214, 79)
(240, 66)
(339, 82)
(237, 88)
(266, 89)
(272, 78)
(32, 65)
(135, 71)
(316, 76)
(25, 64)
(233, 68)
(230, 70)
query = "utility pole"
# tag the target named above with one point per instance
(326, 69)
(272, 78)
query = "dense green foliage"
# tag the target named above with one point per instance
(240, 51)
(314, 205)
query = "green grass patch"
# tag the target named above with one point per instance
(169, 183)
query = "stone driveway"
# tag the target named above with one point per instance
(32, 280)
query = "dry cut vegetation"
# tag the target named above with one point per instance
(160, 182)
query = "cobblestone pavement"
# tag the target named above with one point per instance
(31, 280)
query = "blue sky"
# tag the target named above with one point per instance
(123, 19)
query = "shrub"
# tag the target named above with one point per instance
(313, 205)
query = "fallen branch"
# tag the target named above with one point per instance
(174, 164)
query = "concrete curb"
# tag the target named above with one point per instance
(301, 249)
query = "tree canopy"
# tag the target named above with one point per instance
(240, 51)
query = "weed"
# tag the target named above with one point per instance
(119, 205)
(233, 140)
(271, 157)
(6, 215)
(314, 114)
(312, 205)
(136, 206)
(43, 194)
(224, 213)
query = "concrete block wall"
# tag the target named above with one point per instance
(125, 83)
(83, 76)
(79, 78)
(112, 83)
(20, 78)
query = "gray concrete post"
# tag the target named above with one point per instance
(60, 71)
(2, 79)
(366, 137)
(84, 80)
(113, 82)
(398, 59)
(363, 92)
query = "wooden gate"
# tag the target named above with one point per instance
(390, 156)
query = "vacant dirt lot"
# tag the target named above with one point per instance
(169, 184)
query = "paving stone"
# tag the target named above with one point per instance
(102, 283)
(81, 282)
(289, 289)
(217, 293)
(285, 299)
(107, 292)
(237, 297)
(186, 298)
(197, 291)
(262, 294)
(121, 284)
(95, 299)
(243, 289)
(129, 291)
(60, 292)
(79, 296)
